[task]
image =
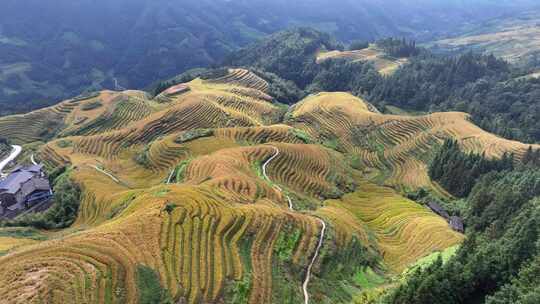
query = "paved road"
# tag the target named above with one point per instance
(14, 153)
(321, 237)
(33, 160)
(117, 86)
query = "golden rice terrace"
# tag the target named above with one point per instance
(212, 192)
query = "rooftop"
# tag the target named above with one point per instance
(18, 177)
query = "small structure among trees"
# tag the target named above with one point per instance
(439, 210)
(455, 222)
(26, 189)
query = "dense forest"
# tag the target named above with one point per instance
(290, 54)
(457, 171)
(399, 48)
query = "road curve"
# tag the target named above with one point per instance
(33, 160)
(14, 153)
(321, 237)
(117, 86)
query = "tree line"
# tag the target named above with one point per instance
(457, 171)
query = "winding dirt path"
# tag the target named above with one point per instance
(106, 173)
(291, 207)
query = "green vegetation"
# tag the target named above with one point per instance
(398, 47)
(64, 143)
(288, 54)
(332, 143)
(118, 209)
(457, 172)
(285, 275)
(338, 279)
(149, 287)
(302, 135)
(92, 105)
(5, 148)
(22, 232)
(366, 278)
(180, 170)
(345, 75)
(483, 86)
(237, 292)
(142, 158)
(190, 135)
(358, 45)
(286, 243)
(257, 168)
(284, 91)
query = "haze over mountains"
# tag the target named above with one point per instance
(53, 52)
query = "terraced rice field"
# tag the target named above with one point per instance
(193, 248)
(397, 146)
(243, 78)
(36, 125)
(178, 187)
(383, 63)
(404, 230)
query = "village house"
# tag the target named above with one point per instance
(25, 189)
(456, 223)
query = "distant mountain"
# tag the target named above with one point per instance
(515, 38)
(49, 52)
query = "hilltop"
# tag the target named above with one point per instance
(213, 191)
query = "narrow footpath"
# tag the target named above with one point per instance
(291, 207)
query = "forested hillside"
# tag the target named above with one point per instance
(54, 52)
